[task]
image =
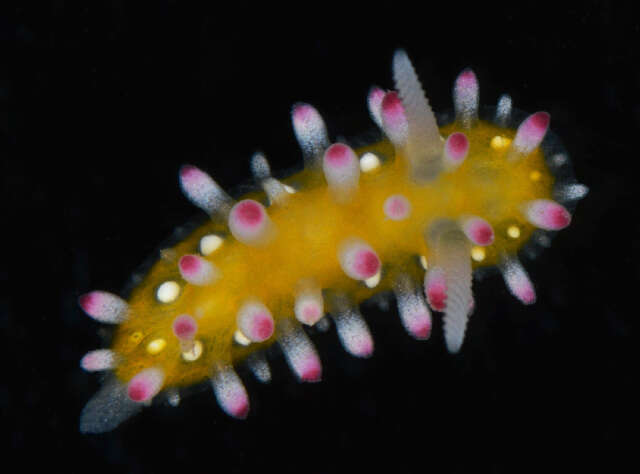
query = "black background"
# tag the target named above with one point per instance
(109, 100)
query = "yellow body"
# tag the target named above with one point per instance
(310, 226)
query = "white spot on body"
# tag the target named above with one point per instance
(374, 280)
(478, 254)
(241, 339)
(168, 292)
(194, 352)
(369, 162)
(210, 243)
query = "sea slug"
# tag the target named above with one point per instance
(415, 214)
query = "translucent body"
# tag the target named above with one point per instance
(309, 227)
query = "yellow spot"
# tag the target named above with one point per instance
(135, 338)
(369, 162)
(373, 281)
(289, 189)
(210, 243)
(194, 353)
(500, 143)
(156, 346)
(478, 254)
(168, 292)
(513, 231)
(535, 175)
(423, 262)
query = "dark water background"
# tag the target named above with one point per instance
(108, 100)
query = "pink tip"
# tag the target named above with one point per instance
(262, 326)
(437, 295)
(374, 101)
(89, 302)
(467, 79)
(363, 347)
(139, 391)
(397, 207)
(303, 113)
(392, 106)
(145, 385)
(239, 408)
(521, 287)
(436, 289)
(249, 222)
(376, 95)
(414, 313)
(339, 155)
(104, 306)
(231, 394)
(394, 119)
(358, 260)
(526, 294)
(255, 321)
(310, 130)
(190, 175)
(354, 333)
(189, 265)
(202, 190)
(559, 217)
(341, 169)
(311, 311)
(518, 281)
(196, 270)
(540, 121)
(465, 97)
(185, 327)
(311, 369)
(301, 356)
(456, 147)
(547, 214)
(531, 132)
(420, 325)
(248, 213)
(478, 231)
(309, 306)
(101, 359)
(366, 263)
(237, 404)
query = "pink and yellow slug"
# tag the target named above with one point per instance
(413, 214)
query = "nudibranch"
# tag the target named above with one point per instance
(413, 214)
